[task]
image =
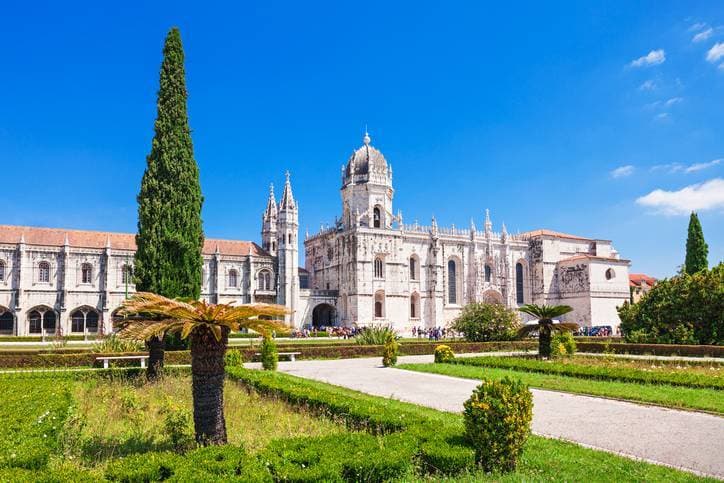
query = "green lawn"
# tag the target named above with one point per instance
(96, 428)
(661, 394)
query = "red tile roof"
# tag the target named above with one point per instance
(556, 234)
(120, 241)
(635, 279)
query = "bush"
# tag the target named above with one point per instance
(497, 421)
(390, 351)
(177, 427)
(563, 344)
(234, 358)
(375, 335)
(685, 309)
(443, 353)
(481, 322)
(113, 343)
(269, 354)
(143, 467)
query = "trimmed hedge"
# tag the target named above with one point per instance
(653, 349)
(603, 373)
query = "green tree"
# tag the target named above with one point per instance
(481, 322)
(545, 325)
(697, 250)
(170, 236)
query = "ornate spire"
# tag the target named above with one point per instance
(472, 225)
(287, 202)
(433, 226)
(504, 234)
(366, 139)
(488, 223)
(271, 204)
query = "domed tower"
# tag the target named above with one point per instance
(367, 188)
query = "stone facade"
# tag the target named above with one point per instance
(375, 268)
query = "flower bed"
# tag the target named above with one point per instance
(600, 370)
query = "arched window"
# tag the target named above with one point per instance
(49, 321)
(379, 268)
(127, 274)
(35, 322)
(233, 278)
(91, 321)
(519, 283)
(376, 217)
(44, 272)
(2, 271)
(77, 321)
(86, 273)
(413, 268)
(41, 319)
(487, 272)
(380, 305)
(415, 306)
(7, 321)
(84, 320)
(610, 274)
(452, 282)
(265, 280)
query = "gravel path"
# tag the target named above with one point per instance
(688, 440)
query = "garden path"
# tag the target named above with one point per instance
(688, 440)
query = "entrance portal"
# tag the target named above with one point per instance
(323, 315)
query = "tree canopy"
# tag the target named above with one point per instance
(697, 250)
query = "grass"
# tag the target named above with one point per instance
(118, 418)
(660, 394)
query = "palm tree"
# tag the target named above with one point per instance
(207, 326)
(545, 315)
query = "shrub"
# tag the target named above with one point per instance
(443, 353)
(269, 354)
(497, 421)
(390, 351)
(375, 335)
(234, 358)
(113, 343)
(685, 309)
(143, 467)
(481, 322)
(563, 344)
(177, 427)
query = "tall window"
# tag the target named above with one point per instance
(127, 274)
(7, 321)
(233, 278)
(84, 320)
(413, 268)
(452, 284)
(44, 272)
(487, 273)
(415, 306)
(77, 321)
(86, 273)
(380, 305)
(265, 280)
(2, 271)
(377, 217)
(35, 322)
(379, 268)
(519, 283)
(610, 274)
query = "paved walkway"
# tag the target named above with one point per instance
(687, 440)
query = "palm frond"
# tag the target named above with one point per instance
(565, 327)
(545, 311)
(149, 315)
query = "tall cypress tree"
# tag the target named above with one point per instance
(697, 250)
(170, 237)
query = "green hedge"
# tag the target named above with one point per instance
(653, 349)
(604, 373)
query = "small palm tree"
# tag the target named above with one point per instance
(545, 315)
(207, 326)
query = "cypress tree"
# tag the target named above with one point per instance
(170, 237)
(697, 250)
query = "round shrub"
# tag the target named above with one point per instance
(497, 421)
(390, 351)
(234, 358)
(269, 354)
(443, 353)
(563, 344)
(481, 322)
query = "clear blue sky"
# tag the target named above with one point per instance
(557, 115)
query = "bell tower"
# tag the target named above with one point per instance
(288, 252)
(269, 224)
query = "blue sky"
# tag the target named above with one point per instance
(600, 120)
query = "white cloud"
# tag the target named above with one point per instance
(654, 57)
(703, 35)
(648, 85)
(696, 197)
(622, 171)
(715, 53)
(673, 100)
(697, 26)
(699, 166)
(662, 116)
(670, 167)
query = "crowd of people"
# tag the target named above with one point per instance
(598, 331)
(432, 333)
(340, 332)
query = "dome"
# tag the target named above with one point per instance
(365, 160)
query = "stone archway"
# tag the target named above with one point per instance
(492, 297)
(323, 315)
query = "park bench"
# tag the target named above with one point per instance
(292, 355)
(105, 359)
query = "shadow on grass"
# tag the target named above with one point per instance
(100, 448)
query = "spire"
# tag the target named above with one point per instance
(366, 139)
(472, 225)
(271, 204)
(504, 234)
(488, 223)
(433, 227)
(287, 202)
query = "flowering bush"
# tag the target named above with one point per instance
(443, 353)
(390, 351)
(497, 422)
